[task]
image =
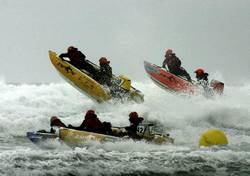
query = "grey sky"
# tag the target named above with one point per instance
(214, 34)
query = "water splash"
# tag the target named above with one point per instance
(26, 107)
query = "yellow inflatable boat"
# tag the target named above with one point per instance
(78, 138)
(88, 86)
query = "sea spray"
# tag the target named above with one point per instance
(25, 107)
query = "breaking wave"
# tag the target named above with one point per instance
(28, 107)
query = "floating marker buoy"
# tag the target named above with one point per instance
(213, 137)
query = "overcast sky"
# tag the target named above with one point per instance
(213, 34)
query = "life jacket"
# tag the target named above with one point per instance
(173, 62)
(106, 70)
(91, 123)
(203, 77)
(77, 57)
(134, 124)
(105, 74)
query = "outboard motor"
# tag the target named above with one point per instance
(125, 82)
(218, 87)
(121, 87)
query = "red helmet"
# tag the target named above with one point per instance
(199, 71)
(103, 61)
(90, 112)
(72, 49)
(133, 116)
(53, 118)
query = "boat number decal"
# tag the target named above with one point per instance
(140, 129)
(67, 68)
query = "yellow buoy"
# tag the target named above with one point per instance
(213, 137)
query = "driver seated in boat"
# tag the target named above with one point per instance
(202, 79)
(174, 65)
(55, 122)
(134, 120)
(105, 72)
(78, 59)
(201, 76)
(92, 124)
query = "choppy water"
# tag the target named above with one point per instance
(28, 108)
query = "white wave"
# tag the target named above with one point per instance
(98, 161)
(29, 107)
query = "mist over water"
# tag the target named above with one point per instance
(28, 107)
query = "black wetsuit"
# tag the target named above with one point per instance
(105, 74)
(174, 66)
(132, 129)
(78, 60)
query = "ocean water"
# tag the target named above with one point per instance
(28, 107)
